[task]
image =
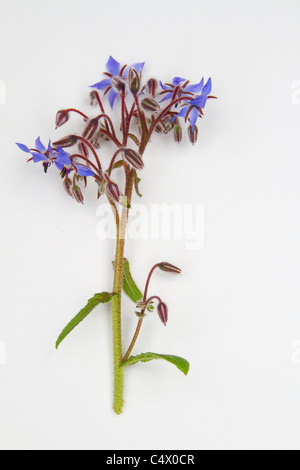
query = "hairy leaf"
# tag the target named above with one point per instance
(179, 362)
(102, 298)
(129, 286)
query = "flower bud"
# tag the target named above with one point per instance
(150, 104)
(162, 311)
(134, 81)
(112, 191)
(91, 128)
(159, 128)
(67, 185)
(93, 98)
(151, 86)
(67, 141)
(193, 134)
(62, 117)
(169, 268)
(77, 194)
(177, 133)
(134, 159)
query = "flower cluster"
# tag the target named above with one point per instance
(145, 108)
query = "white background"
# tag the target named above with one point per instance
(234, 313)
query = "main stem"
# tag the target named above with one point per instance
(116, 301)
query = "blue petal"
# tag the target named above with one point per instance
(111, 97)
(23, 147)
(38, 157)
(138, 67)
(164, 87)
(167, 97)
(84, 171)
(63, 157)
(195, 88)
(200, 101)
(39, 146)
(113, 66)
(177, 80)
(183, 111)
(194, 114)
(103, 84)
(59, 165)
(207, 87)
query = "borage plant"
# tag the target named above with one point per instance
(144, 108)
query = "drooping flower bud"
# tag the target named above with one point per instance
(134, 81)
(77, 194)
(91, 128)
(177, 133)
(62, 117)
(150, 104)
(134, 159)
(169, 268)
(93, 98)
(112, 191)
(68, 185)
(159, 128)
(162, 311)
(67, 141)
(193, 134)
(151, 86)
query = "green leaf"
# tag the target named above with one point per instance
(179, 362)
(102, 298)
(129, 286)
(118, 164)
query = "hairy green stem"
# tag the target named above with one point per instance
(116, 301)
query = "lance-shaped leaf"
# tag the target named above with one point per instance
(182, 364)
(129, 286)
(102, 298)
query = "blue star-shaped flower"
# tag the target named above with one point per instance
(114, 71)
(169, 88)
(193, 109)
(59, 157)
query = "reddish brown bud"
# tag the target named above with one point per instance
(177, 133)
(68, 185)
(169, 268)
(159, 128)
(193, 134)
(77, 194)
(93, 98)
(151, 86)
(134, 81)
(150, 104)
(67, 141)
(112, 191)
(91, 128)
(162, 311)
(62, 117)
(134, 159)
